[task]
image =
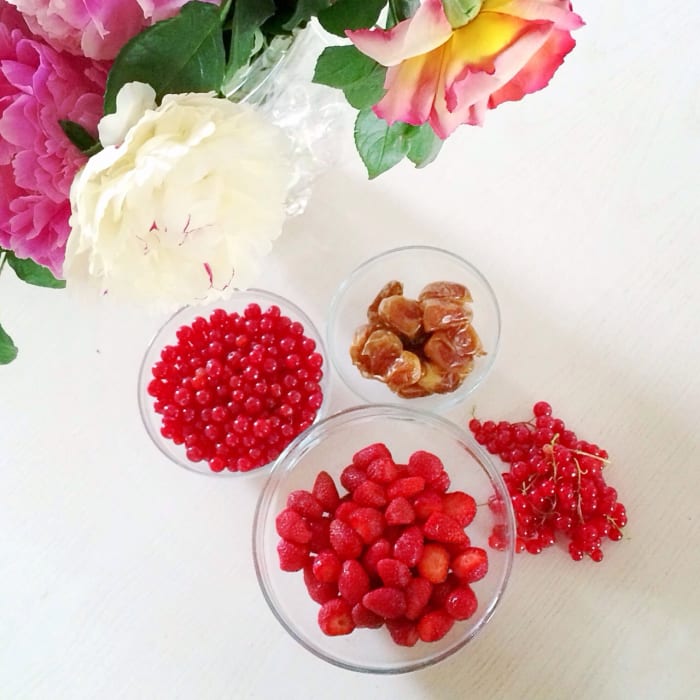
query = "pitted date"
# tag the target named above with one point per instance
(418, 347)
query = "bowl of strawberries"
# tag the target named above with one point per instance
(383, 539)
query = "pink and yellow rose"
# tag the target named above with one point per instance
(449, 76)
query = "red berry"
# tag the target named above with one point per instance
(418, 592)
(344, 540)
(407, 487)
(292, 556)
(471, 565)
(327, 566)
(362, 617)
(426, 503)
(460, 506)
(368, 523)
(320, 535)
(335, 618)
(305, 504)
(442, 528)
(292, 527)
(385, 602)
(353, 581)
(382, 470)
(345, 510)
(426, 465)
(399, 512)
(461, 603)
(369, 493)
(381, 549)
(393, 573)
(403, 632)
(364, 457)
(351, 477)
(434, 625)
(542, 408)
(408, 548)
(325, 492)
(434, 563)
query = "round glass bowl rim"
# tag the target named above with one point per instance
(343, 417)
(449, 400)
(254, 295)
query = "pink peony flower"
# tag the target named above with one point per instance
(39, 86)
(94, 28)
(447, 76)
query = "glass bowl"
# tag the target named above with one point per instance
(414, 266)
(166, 335)
(329, 445)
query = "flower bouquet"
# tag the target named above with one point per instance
(130, 159)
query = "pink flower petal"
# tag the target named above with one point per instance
(420, 34)
(556, 11)
(538, 71)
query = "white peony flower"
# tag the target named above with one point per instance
(184, 208)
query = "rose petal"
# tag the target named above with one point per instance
(420, 34)
(555, 11)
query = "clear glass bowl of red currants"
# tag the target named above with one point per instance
(371, 539)
(224, 388)
(416, 326)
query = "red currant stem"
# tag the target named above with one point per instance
(612, 522)
(578, 500)
(588, 454)
(527, 486)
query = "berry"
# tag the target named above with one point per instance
(318, 591)
(426, 503)
(434, 563)
(335, 617)
(461, 604)
(418, 591)
(399, 512)
(364, 457)
(471, 565)
(460, 506)
(442, 528)
(344, 540)
(434, 625)
(381, 549)
(393, 573)
(326, 567)
(426, 465)
(305, 504)
(407, 487)
(368, 523)
(408, 548)
(325, 492)
(385, 602)
(382, 470)
(292, 527)
(403, 632)
(353, 581)
(292, 556)
(352, 476)
(362, 617)
(369, 493)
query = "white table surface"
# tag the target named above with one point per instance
(124, 576)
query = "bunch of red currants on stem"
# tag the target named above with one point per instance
(556, 485)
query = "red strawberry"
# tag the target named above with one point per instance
(461, 603)
(442, 591)
(369, 493)
(418, 593)
(344, 540)
(344, 510)
(407, 486)
(385, 602)
(434, 625)
(292, 556)
(351, 477)
(365, 618)
(368, 454)
(426, 503)
(409, 547)
(460, 506)
(381, 549)
(471, 565)
(399, 512)
(325, 492)
(305, 504)
(292, 527)
(382, 470)
(394, 573)
(353, 582)
(320, 538)
(368, 523)
(335, 618)
(403, 631)
(442, 483)
(456, 548)
(434, 563)
(318, 591)
(443, 528)
(425, 464)
(327, 566)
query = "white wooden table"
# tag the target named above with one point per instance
(124, 576)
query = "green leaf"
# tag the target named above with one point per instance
(182, 54)
(350, 14)
(424, 145)
(248, 17)
(80, 137)
(8, 350)
(380, 146)
(400, 10)
(33, 273)
(305, 10)
(357, 75)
